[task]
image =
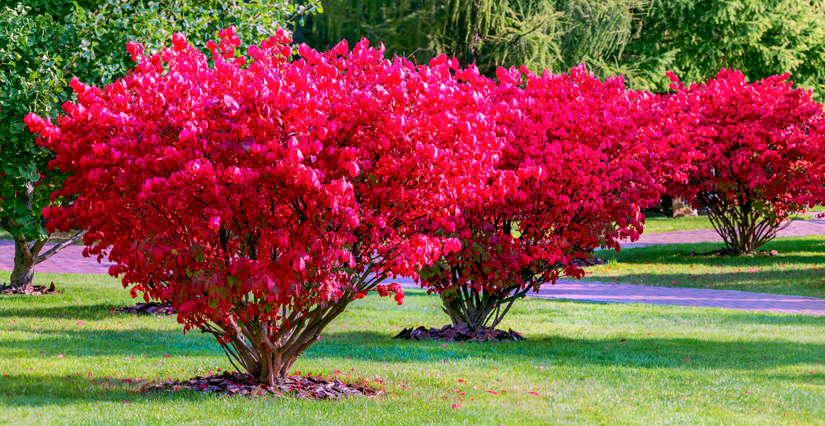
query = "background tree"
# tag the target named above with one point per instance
(640, 39)
(33, 66)
(697, 38)
(755, 152)
(42, 47)
(541, 34)
(57, 9)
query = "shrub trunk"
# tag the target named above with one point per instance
(479, 309)
(743, 228)
(268, 352)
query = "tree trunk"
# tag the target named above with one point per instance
(23, 273)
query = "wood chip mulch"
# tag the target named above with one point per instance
(460, 333)
(32, 290)
(151, 308)
(229, 383)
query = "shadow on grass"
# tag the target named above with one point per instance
(573, 351)
(23, 390)
(87, 312)
(743, 278)
(48, 390)
(134, 342)
(719, 317)
(680, 254)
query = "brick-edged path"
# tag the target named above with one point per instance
(728, 299)
(630, 293)
(797, 228)
(70, 260)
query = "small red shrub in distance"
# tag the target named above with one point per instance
(572, 177)
(260, 194)
(754, 152)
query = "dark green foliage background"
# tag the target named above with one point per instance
(640, 39)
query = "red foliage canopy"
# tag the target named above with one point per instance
(260, 195)
(572, 177)
(754, 152)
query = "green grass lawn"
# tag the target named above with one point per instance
(657, 224)
(798, 270)
(586, 363)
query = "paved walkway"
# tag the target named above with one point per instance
(70, 260)
(727, 299)
(584, 291)
(797, 228)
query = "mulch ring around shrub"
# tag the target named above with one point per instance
(151, 308)
(229, 383)
(461, 333)
(32, 290)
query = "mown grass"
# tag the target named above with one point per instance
(587, 363)
(659, 224)
(798, 270)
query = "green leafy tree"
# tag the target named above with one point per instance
(32, 78)
(640, 39)
(697, 38)
(596, 33)
(58, 9)
(487, 33)
(41, 51)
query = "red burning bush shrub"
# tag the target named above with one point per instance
(755, 153)
(572, 177)
(259, 195)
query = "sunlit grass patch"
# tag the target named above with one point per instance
(584, 363)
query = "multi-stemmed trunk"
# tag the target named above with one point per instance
(267, 351)
(254, 348)
(742, 226)
(479, 309)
